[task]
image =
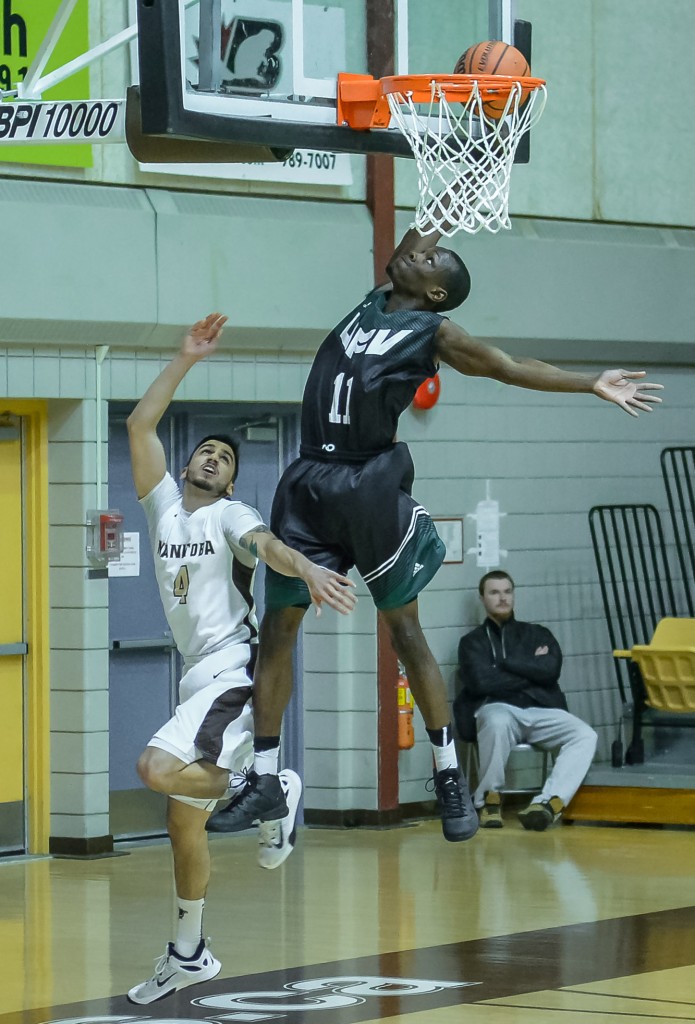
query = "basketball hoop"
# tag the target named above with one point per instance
(464, 154)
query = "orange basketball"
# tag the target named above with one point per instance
(494, 57)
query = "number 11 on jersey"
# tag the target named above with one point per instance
(335, 416)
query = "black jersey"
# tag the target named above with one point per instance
(364, 375)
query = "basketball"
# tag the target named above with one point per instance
(494, 57)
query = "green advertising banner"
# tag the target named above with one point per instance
(23, 27)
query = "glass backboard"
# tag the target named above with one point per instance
(264, 72)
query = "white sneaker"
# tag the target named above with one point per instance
(277, 838)
(172, 973)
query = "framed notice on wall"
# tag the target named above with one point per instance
(23, 27)
(451, 532)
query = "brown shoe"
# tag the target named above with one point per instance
(541, 814)
(491, 811)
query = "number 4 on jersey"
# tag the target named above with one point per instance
(181, 584)
(335, 416)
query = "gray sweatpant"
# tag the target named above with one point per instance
(502, 726)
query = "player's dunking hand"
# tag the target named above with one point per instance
(203, 336)
(330, 588)
(626, 389)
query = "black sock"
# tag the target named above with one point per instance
(266, 742)
(441, 737)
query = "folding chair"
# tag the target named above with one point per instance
(637, 593)
(678, 472)
(667, 665)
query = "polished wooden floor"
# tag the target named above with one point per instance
(579, 924)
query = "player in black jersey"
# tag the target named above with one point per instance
(346, 501)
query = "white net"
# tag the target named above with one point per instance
(464, 157)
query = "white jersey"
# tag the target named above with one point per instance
(205, 579)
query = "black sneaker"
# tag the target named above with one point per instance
(261, 799)
(459, 818)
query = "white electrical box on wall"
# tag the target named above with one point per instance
(451, 532)
(487, 515)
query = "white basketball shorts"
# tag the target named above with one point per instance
(213, 721)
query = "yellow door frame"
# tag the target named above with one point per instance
(36, 573)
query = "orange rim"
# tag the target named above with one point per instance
(456, 88)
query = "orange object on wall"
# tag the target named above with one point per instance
(406, 733)
(427, 394)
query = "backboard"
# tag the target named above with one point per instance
(240, 81)
(264, 72)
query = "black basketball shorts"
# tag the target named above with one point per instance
(342, 515)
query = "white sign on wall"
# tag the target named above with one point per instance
(451, 532)
(303, 167)
(129, 562)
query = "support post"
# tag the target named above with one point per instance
(380, 200)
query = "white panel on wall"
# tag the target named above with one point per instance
(569, 290)
(559, 179)
(645, 143)
(83, 257)
(284, 271)
(104, 266)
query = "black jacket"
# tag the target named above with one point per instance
(498, 664)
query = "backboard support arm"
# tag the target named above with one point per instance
(501, 18)
(210, 21)
(35, 83)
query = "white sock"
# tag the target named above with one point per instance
(265, 762)
(190, 926)
(445, 757)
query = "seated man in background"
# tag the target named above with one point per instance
(509, 672)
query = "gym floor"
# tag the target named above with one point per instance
(581, 923)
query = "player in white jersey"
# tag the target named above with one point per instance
(205, 549)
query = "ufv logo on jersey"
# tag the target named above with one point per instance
(357, 342)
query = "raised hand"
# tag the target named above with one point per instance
(627, 389)
(203, 336)
(330, 588)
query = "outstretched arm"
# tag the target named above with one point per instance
(146, 451)
(323, 584)
(623, 387)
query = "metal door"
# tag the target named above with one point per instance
(12, 644)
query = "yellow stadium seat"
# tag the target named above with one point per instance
(667, 665)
